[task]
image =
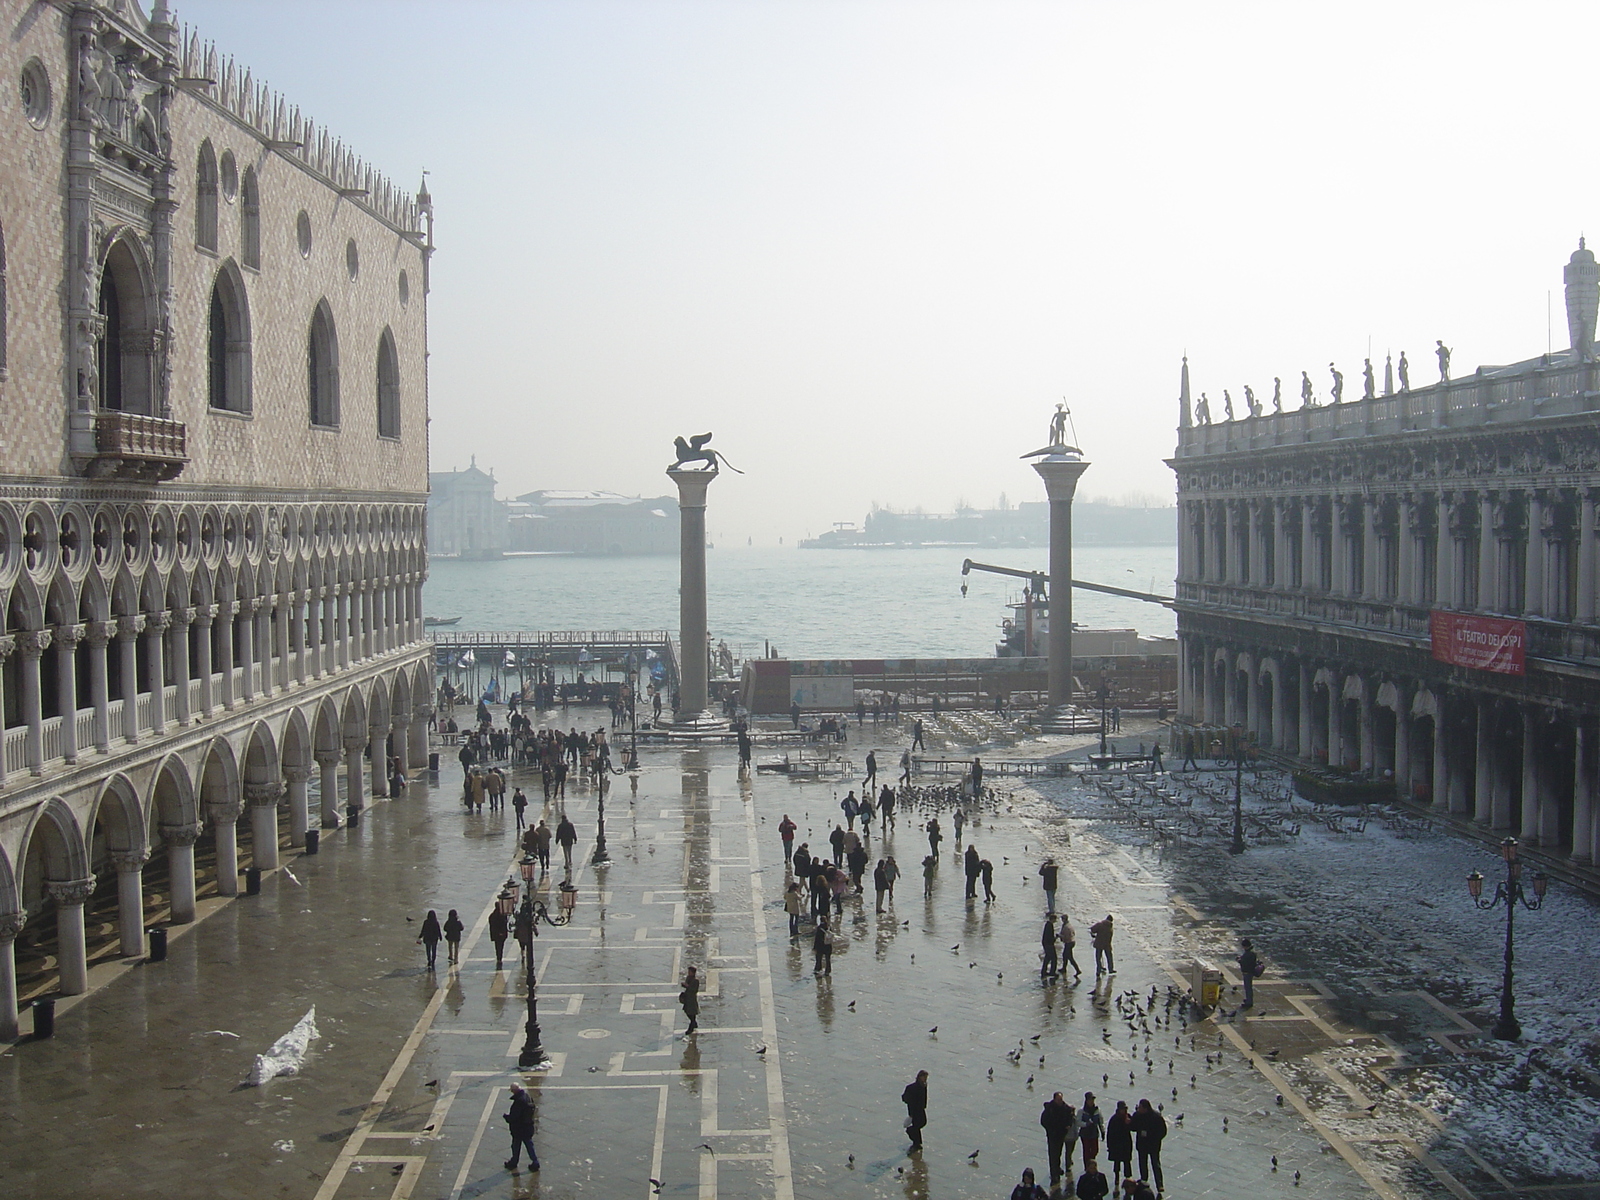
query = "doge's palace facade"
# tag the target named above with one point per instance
(213, 472)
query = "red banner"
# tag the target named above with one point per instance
(1484, 643)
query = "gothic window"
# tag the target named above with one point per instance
(228, 358)
(108, 353)
(322, 368)
(388, 387)
(205, 198)
(123, 350)
(250, 220)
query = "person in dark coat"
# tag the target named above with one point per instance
(1100, 938)
(566, 838)
(986, 873)
(822, 948)
(1060, 1125)
(1119, 1142)
(519, 802)
(541, 844)
(499, 931)
(1050, 874)
(690, 999)
(786, 831)
(974, 865)
(452, 935)
(1149, 1127)
(836, 840)
(1028, 1189)
(430, 937)
(1047, 941)
(520, 1119)
(915, 1098)
(1092, 1183)
(880, 881)
(1249, 968)
(525, 930)
(802, 861)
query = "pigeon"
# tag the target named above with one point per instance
(1274, 1162)
(707, 1146)
(851, 1006)
(411, 920)
(972, 1156)
(955, 948)
(761, 1049)
(432, 1083)
(935, 1029)
(221, 1033)
(655, 1185)
(991, 1072)
(1105, 1080)
(398, 1168)
(1297, 1179)
(1280, 1100)
(851, 1162)
(1035, 1037)
(291, 875)
(1030, 1080)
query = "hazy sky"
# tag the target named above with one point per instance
(870, 245)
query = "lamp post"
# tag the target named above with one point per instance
(1509, 892)
(1105, 695)
(633, 709)
(532, 1054)
(1238, 791)
(600, 856)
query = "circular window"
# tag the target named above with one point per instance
(352, 258)
(302, 233)
(228, 176)
(35, 91)
(405, 288)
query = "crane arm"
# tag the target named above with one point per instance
(1040, 577)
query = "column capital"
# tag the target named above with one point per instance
(225, 812)
(157, 621)
(225, 608)
(130, 860)
(183, 615)
(33, 642)
(8, 645)
(180, 835)
(67, 637)
(11, 924)
(327, 758)
(99, 633)
(262, 795)
(297, 774)
(130, 626)
(204, 614)
(70, 891)
(355, 745)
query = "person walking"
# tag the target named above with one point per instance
(1188, 762)
(891, 872)
(977, 779)
(1155, 758)
(916, 735)
(566, 838)
(974, 865)
(851, 808)
(1100, 938)
(886, 802)
(1028, 1189)
(520, 1119)
(802, 862)
(541, 844)
(519, 802)
(1069, 942)
(915, 1098)
(786, 831)
(905, 768)
(792, 901)
(1249, 968)
(430, 937)
(499, 931)
(525, 930)
(1091, 1128)
(986, 873)
(822, 948)
(1047, 942)
(872, 772)
(1051, 874)
(819, 891)
(959, 820)
(1119, 1143)
(836, 840)
(935, 836)
(452, 936)
(1149, 1128)
(930, 867)
(880, 882)
(690, 999)
(1092, 1183)
(1060, 1125)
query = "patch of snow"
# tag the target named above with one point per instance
(287, 1053)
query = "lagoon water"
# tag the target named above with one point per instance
(808, 603)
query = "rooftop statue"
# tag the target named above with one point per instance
(1058, 444)
(1338, 383)
(1444, 360)
(1202, 411)
(1308, 397)
(1277, 394)
(1369, 388)
(1405, 373)
(696, 450)
(1250, 401)
(1227, 405)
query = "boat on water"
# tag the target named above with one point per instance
(432, 622)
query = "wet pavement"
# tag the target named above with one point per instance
(791, 1086)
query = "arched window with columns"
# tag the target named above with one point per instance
(322, 368)
(228, 357)
(250, 220)
(388, 386)
(205, 198)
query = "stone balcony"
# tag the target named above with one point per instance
(137, 447)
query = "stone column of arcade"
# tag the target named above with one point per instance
(1061, 466)
(224, 821)
(328, 766)
(11, 924)
(296, 778)
(180, 840)
(693, 691)
(130, 900)
(73, 961)
(263, 801)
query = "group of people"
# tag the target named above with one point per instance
(1123, 1134)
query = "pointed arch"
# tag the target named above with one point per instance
(260, 755)
(124, 363)
(228, 354)
(10, 895)
(388, 386)
(250, 219)
(205, 197)
(172, 801)
(295, 746)
(118, 807)
(54, 840)
(322, 367)
(219, 775)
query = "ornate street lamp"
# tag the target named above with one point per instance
(1509, 892)
(532, 1054)
(600, 856)
(1238, 791)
